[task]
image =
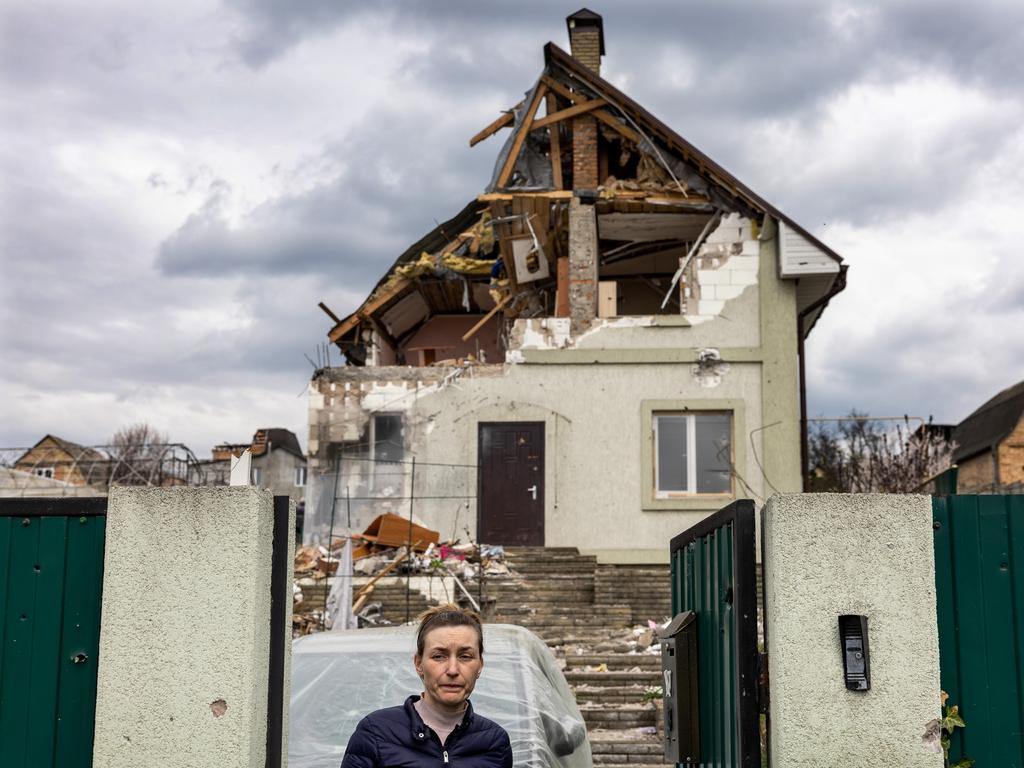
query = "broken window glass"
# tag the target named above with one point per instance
(387, 437)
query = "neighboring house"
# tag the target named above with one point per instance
(989, 443)
(278, 463)
(16, 483)
(68, 463)
(599, 351)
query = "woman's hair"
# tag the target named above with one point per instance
(448, 615)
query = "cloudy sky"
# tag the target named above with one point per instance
(183, 182)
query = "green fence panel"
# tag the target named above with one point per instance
(979, 579)
(51, 572)
(713, 575)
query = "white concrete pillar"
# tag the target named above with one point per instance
(867, 554)
(189, 652)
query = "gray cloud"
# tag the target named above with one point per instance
(104, 296)
(350, 228)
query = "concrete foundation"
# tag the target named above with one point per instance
(185, 635)
(832, 554)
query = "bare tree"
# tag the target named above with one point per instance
(862, 455)
(137, 455)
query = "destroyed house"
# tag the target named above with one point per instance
(603, 347)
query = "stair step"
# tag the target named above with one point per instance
(620, 716)
(614, 660)
(622, 694)
(612, 677)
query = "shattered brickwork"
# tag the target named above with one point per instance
(582, 265)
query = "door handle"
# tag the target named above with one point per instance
(532, 489)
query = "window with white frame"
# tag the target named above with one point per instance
(44, 471)
(692, 453)
(300, 477)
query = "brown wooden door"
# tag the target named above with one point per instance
(511, 476)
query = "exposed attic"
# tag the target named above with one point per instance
(657, 208)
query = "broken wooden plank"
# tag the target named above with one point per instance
(369, 306)
(497, 307)
(507, 118)
(569, 112)
(556, 143)
(492, 197)
(606, 117)
(521, 133)
(561, 90)
(330, 314)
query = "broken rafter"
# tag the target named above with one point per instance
(521, 133)
(580, 101)
(507, 118)
(469, 334)
(556, 142)
(371, 305)
(608, 119)
(561, 90)
(330, 314)
(573, 111)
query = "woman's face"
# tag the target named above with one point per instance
(449, 666)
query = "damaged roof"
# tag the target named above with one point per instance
(556, 58)
(536, 162)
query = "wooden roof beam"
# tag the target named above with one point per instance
(370, 306)
(521, 133)
(573, 111)
(506, 119)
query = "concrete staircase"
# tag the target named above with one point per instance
(389, 592)
(584, 612)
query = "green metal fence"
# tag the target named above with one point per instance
(51, 574)
(979, 577)
(713, 575)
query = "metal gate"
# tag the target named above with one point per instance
(979, 579)
(713, 575)
(51, 576)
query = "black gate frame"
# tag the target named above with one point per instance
(740, 515)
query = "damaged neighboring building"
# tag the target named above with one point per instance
(608, 339)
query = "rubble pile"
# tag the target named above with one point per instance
(379, 552)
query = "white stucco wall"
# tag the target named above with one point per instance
(594, 442)
(184, 639)
(591, 392)
(833, 554)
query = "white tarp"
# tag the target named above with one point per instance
(340, 677)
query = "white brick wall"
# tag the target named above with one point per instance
(727, 276)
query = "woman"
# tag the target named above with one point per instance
(439, 726)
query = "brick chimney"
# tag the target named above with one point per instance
(586, 42)
(586, 38)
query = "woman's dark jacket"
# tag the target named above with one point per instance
(397, 736)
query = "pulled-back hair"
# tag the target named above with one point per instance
(448, 615)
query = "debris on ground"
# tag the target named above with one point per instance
(380, 555)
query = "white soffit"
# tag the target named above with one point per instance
(798, 256)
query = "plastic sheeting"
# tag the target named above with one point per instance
(340, 677)
(532, 169)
